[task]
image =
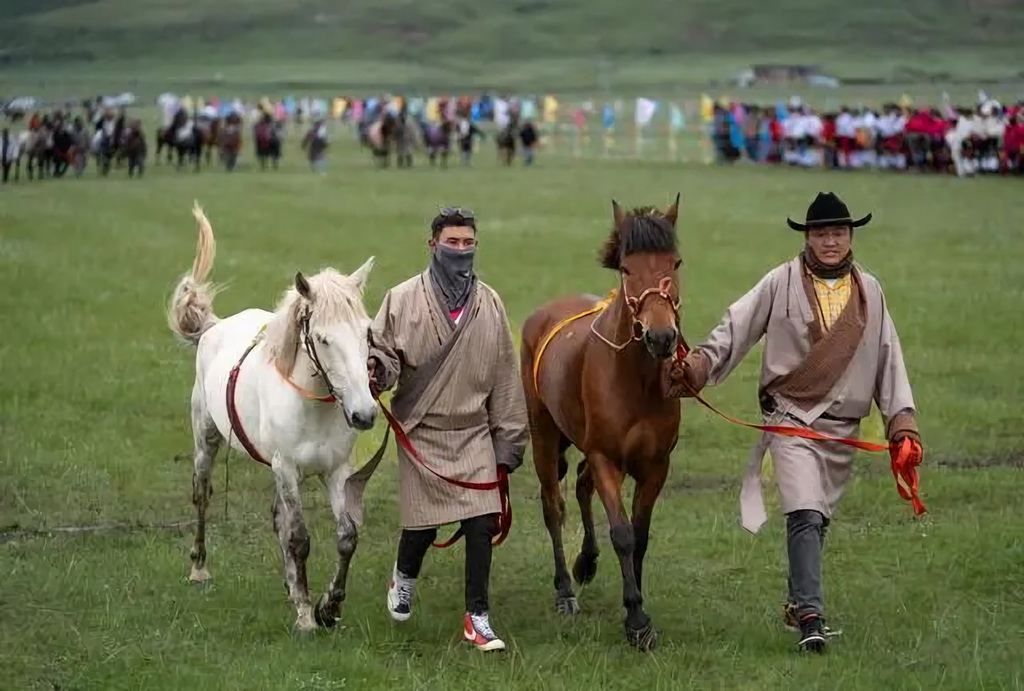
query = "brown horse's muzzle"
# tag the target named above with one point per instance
(661, 343)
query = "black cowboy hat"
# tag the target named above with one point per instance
(827, 210)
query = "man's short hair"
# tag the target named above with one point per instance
(452, 216)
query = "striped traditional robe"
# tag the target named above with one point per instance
(470, 414)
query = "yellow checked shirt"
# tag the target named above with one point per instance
(831, 298)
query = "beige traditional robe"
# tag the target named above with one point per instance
(809, 474)
(469, 416)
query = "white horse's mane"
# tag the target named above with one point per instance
(336, 298)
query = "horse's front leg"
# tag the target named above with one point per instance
(644, 498)
(608, 480)
(294, 538)
(328, 609)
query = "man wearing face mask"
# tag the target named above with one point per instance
(442, 339)
(830, 349)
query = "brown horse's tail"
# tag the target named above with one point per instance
(190, 312)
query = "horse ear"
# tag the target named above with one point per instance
(360, 275)
(672, 212)
(302, 285)
(617, 215)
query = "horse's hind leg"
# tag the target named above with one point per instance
(207, 441)
(328, 609)
(585, 567)
(549, 462)
(294, 538)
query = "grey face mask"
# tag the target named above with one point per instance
(452, 271)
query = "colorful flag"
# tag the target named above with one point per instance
(645, 109)
(608, 117)
(677, 121)
(707, 108)
(550, 109)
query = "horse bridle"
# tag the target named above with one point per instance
(320, 371)
(635, 305)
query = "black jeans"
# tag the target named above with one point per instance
(477, 531)
(805, 539)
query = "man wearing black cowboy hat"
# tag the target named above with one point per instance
(442, 339)
(831, 349)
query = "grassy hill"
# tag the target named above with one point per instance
(456, 41)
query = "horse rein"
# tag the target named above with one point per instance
(319, 370)
(635, 304)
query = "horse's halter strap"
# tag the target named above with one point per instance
(635, 304)
(307, 338)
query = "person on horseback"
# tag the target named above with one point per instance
(443, 338)
(831, 349)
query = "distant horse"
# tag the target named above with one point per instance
(133, 147)
(229, 141)
(404, 136)
(268, 142)
(187, 139)
(37, 148)
(106, 146)
(210, 133)
(438, 141)
(382, 134)
(592, 372)
(506, 140)
(290, 388)
(165, 139)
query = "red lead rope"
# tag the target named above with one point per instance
(904, 457)
(501, 484)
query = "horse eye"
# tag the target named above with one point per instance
(679, 262)
(323, 340)
(624, 270)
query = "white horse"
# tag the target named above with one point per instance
(312, 349)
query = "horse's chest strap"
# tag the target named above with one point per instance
(236, 422)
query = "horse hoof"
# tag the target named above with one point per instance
(567, 605)
(584, 568)
(303, 630)
(199, 575)
(326, 614)
(644, 639)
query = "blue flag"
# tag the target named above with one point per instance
(608, 117)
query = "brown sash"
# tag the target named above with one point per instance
(831, 351)
(412, 387)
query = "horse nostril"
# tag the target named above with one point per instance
(363, 420)
(661, 342)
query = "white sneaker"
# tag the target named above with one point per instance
(400, 593)
(476, 628)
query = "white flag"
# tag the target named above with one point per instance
(645, 108)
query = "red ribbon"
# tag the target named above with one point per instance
(501, 484)
(905, 457)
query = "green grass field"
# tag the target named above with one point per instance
(73, 48)
(94, 413)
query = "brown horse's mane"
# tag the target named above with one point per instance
(644, 229)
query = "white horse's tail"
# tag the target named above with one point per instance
(190, 313)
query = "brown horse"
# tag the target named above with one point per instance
(592, 373)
